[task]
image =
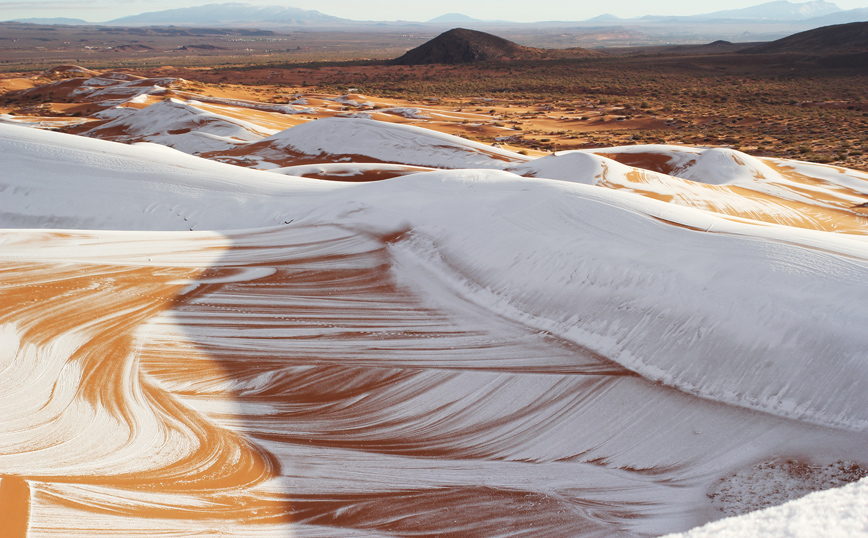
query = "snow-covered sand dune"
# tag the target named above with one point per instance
(366, 140)
(722, 181)
(105, 90)
(180, 125)
(586, 344)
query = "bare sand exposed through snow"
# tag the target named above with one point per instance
(799, 200)
(336, 294)
(300, 382)
(167, 449)
(15, 504)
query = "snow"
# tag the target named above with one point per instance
(852, 179)
(714, 166)
(573, 166)
(346, 169)
(119, 76)
(352, 100)
(581, 263)
(54, 180)
(115, 112)
(405, 112)
(180, 125)
(139, 99)
(47, 122)
(711, 166)
(240, 103)
(837, 513)
(113, 92)
(65, 70)
(388, 142)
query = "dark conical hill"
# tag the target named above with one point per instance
(459, 46)
(462, 46)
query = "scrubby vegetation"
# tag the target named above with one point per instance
(820, 116)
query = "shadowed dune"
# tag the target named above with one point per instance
(299, 388)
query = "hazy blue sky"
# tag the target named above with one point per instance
(513, 10)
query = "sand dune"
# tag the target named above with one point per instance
(180, 125)
(443, 339)
(366, 140)
(765, 190)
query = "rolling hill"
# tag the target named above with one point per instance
(850, 37)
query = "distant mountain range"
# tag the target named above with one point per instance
(777, 11)
(230, 14)
(781, 10)
(53, 20)
(801, 15)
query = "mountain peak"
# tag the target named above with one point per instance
(454, 17)
(605, 17)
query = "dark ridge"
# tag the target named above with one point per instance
(132, 48)
(205, 46)
(461, 46)
(839, 38)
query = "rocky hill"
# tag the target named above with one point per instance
(459, 46)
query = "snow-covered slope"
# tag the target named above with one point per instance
(180, 125)
(714, 166)
(365, 140)
(54, 180)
